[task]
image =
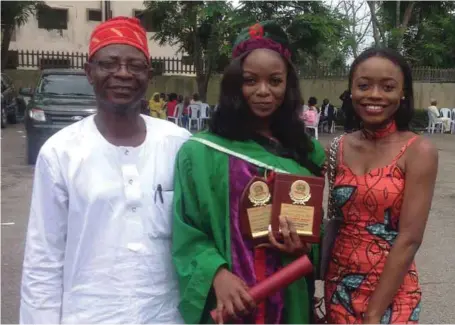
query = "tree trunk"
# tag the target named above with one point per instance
(199, 66)
(405, 23)
(6, 40)
(201, 87)
(205, 84)
(378, 31)
(397, 14)
(197, 57)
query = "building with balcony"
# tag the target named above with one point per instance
(73, 21)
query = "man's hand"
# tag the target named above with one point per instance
(231, 295)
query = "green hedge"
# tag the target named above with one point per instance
(420, 120)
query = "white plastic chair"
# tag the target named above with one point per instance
(177, 114)
(315, 127)
(445, 112)
(204, 114)
(452, 130)
(433, 124)
(194, 116)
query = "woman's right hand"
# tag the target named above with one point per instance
(231, 295)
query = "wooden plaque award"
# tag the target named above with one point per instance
(299, 198)
(256, 210)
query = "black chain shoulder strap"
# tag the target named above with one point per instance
(332, 173)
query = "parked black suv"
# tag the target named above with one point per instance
(13, 106)
(62, 97)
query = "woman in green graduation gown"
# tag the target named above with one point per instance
(256, 129)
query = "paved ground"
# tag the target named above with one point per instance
(435, 261)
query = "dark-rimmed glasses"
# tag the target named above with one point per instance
(113, 66)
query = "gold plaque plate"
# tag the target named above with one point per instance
(301, 215)
(259, 219)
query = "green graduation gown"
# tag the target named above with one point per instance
(201, 226)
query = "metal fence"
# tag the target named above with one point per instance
(166, 65)
(423, 74)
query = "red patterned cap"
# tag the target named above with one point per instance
(119, 30)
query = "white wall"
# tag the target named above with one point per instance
(76, 37)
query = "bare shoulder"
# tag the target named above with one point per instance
(424, 152)
(423, 147)
(352, 139)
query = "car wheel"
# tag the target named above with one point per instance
(12, 117)
(4, 119)
(32, 151)
(21, 107)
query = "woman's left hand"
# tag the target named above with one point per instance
(291, 241)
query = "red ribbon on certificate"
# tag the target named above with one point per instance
(281, 279)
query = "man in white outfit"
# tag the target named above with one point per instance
(436, 116)
(98, 246)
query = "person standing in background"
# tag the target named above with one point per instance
(350, 121)
(327, 114)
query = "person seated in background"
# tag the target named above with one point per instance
(437, 116)
(310, 115)
(312, 102)
(327, 114)
(185, 111)
(196, 99)
(163, 98)
(156, 106)
(172, 105)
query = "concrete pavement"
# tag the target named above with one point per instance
(435, 260)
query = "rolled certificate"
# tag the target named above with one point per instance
(299, 268)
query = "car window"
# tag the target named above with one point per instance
(65, 85)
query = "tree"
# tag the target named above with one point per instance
(358, 24)
(421, 30)
(206, 30)
(392, 20)
(15, 14)
(312, 27)
(431, 42)
(378, 31)
(198, 28)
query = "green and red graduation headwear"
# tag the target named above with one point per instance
(263, 35)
